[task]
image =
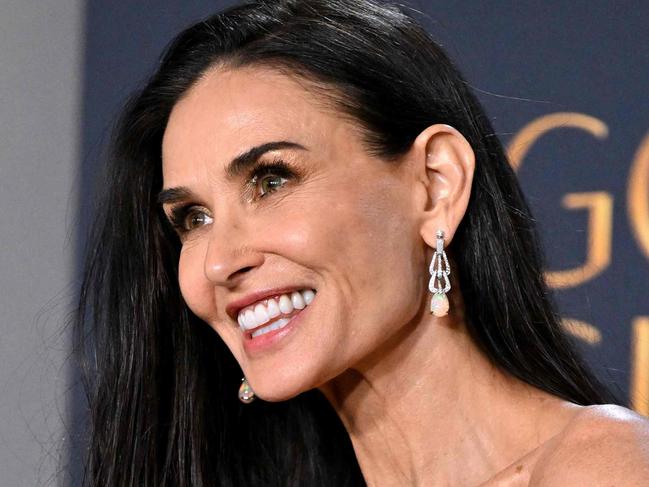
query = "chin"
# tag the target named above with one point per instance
(284, 376)
(275, 386)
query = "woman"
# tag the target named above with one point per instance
(292, 193)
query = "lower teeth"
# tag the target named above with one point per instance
(281, 323)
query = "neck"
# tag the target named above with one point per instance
(428, 408)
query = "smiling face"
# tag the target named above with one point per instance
(330, 218)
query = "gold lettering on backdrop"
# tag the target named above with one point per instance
(582, 330)
(525, 139)
(599, 204)
(600, 233)
(640, 365)
(638, 196)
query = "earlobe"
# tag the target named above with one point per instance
(447, 163)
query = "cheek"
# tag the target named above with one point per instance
(194, 287)
(361, 241)
(382, 253)
(200, 294)
(391, 271)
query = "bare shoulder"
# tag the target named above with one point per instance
(604, 445)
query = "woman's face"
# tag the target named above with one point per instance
(335, 221)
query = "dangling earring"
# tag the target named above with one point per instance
(439, 283)
(246, 394)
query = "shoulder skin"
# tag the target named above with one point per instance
(605, 445)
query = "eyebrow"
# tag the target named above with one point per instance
(234, 169)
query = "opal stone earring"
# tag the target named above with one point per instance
(439, 283)
(246, 394)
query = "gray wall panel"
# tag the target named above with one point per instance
(40, 81)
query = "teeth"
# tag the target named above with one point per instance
(308, 296)
(281, 323)
(297, 300)
(285, 304)
(273, 308)
(259, 313)
(249, 319)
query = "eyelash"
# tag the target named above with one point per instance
(277, 167)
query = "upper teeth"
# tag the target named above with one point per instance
(262, 312)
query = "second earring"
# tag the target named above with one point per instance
(439, 284)
(246, 394)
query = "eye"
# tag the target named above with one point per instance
(195, 218)
(189, 217)
(268, 184)
(268, 177)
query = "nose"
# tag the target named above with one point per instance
(228, 258)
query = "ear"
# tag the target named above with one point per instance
(444, 163)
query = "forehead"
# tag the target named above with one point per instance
(228, 111)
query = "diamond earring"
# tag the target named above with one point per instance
(246, 394)
(439, 283)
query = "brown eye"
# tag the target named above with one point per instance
(186, 218)
(195, 219)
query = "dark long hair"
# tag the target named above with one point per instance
(162, 385)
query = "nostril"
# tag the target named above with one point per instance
(243, 271)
